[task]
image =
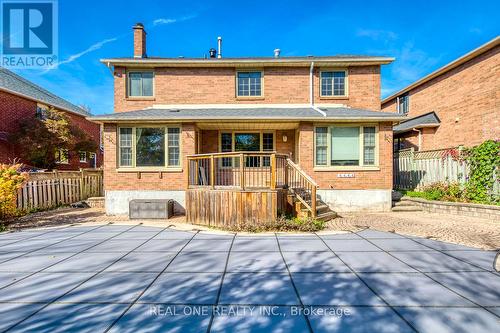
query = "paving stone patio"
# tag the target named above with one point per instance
(130, 278)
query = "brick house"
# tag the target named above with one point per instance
(239, 124)
(21, 99)
(458, 104)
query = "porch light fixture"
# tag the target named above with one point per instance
(285, 138)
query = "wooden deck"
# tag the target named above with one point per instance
(250, 187)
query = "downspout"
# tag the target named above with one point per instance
(311, 90)
(419, 138)
(110, 70)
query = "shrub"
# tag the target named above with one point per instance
(10, 182)
(484, 165)
(281, 224)
(440, 191)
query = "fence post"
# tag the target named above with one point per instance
(212, 171)
(82, 185)
(412, 168)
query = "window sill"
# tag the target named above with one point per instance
(346, 168)
(334, 97)
(250, 98)
(140, 98)
(125, 170)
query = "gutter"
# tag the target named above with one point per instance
(311, 90)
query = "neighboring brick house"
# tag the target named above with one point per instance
(458, 104)
(322, 112)
(21, 99)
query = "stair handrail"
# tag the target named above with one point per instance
(312, 183)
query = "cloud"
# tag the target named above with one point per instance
(75, 56)
(377, 34)
(163, 21)
(475, 30)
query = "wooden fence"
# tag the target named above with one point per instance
(49, 189)
(415, 169)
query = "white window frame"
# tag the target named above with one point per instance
(60, 153)
(361, 165)
(84, 160)
(165, 167)
(346, 83)
(261, 84)
(128, 83)
(233, 143)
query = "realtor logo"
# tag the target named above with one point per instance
(29, 33)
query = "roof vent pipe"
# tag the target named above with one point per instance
(212, 52)
(219, 47)
(277, 53)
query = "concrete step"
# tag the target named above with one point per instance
(403, 203)
(330, 215)
(95, 202)
(413, 208)
(321, 208)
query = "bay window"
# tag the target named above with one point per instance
(345, 146)
(149, 146)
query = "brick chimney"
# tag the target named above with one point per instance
(139, 41)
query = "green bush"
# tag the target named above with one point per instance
(440, 191)
(281, 224)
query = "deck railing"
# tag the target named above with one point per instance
(251, 170)
(243, 170)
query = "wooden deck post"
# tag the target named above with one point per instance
(313, 202)
(242, 171)
(188, 172)
(212, 171)
(273, 171)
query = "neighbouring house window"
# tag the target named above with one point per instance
(249, 84)
(93, 159)
(41, 112)
(339, 146)
(333, 83)
(62, 156)
(321, 145)
(404, 104)
(82, 155)
(149, 146)
(140, 84)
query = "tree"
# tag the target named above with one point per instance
(40, 138)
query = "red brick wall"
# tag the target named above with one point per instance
(363, 180)
(14, 109)
(466, 99)
(281, 85)
(115, 180)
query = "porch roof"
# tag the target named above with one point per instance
(426, 120)
(256, 113)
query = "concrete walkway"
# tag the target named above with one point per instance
(131, 278)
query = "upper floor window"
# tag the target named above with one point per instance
(333, 83)
(249, 84)
(140, 84)
(404, 104)
(41, 112)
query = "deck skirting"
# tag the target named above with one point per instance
(231, 207)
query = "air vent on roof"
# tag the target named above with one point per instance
(212, 52)
(174, 110)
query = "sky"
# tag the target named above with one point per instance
(421, 35)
